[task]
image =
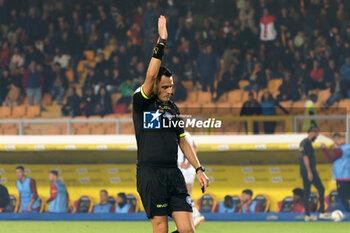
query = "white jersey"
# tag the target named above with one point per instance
(189, 173)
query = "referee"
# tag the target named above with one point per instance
(159, 181)
(309, 173)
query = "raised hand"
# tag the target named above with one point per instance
(162, 31)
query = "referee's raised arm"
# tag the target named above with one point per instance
(158, 52)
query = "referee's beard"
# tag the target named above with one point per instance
(164, 88)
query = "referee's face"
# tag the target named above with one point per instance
(165, 88)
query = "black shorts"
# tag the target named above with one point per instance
(162, 191)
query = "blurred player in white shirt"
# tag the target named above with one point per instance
(189, 174)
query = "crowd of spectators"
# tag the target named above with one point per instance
(306, 42)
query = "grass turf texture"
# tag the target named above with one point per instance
(141, 227)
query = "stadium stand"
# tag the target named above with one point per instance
(87, 54)
(127, 50)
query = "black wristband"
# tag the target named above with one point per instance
(162, 41)
(200, 168)
(158, 51)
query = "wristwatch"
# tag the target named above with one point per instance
(200, 168)
(162, 41)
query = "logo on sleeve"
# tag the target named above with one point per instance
(151, 120)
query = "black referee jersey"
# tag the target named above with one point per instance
(157, 145)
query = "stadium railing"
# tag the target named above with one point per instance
(292, 124)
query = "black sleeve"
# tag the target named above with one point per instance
(140, 100)
(305, 148)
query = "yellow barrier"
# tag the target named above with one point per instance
(277, 181)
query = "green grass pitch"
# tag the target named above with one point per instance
(145, 227)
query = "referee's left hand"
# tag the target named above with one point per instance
(203, 180)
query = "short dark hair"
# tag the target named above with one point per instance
(104, 191)
(122, 195)
(335, 135)
(313, 129)
(20, 168)
(55, 172)
(248, 191)
(298, 191)
(163, 71)
(313, 97)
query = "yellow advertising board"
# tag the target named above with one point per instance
(276, 181)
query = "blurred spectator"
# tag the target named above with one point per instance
(338, 90)
(228, 82)
(290, 38)
(121, 206)
(32, 24)
(268, 34)
(345, 72)
(17, 59)
(248, 66)
(5, 83)
(310, 110)
(179, 91)
(13, 97)
(316, 80)
(33, 54)
(60, 83)
(246, 16)
(104, 206)
(101, 63)
(114, 81)
(103, 103)
(268, 109)
(126, 89)
(59, 199)
(78, 41)
(33, 82)
(207, 66)
(28, 194)
(92, 80)
(5, 55)
(329, 73)
(72, 106)
(88, 103)
(298, 205)
(288, 89)
(251, 108)
(226, 206)
(4, 197)
(257, 79)
(149, 19)
(248, 205)
(61, 58)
